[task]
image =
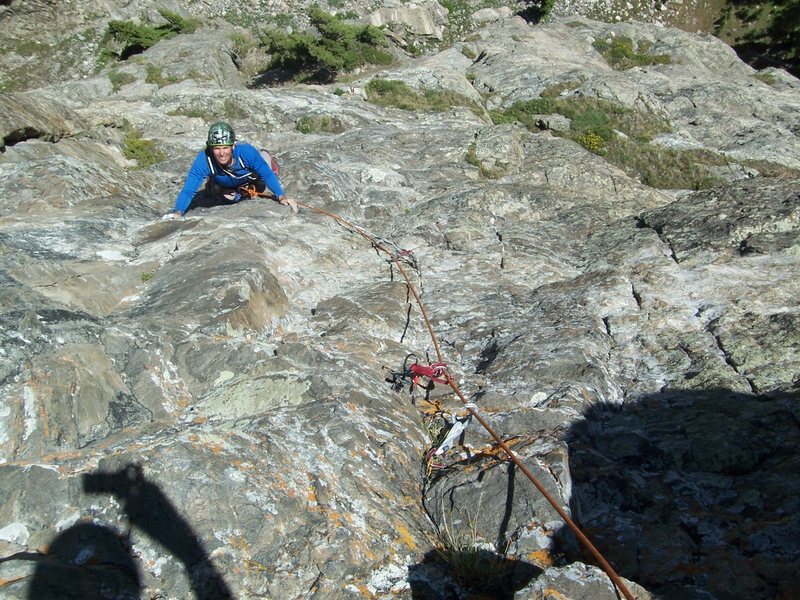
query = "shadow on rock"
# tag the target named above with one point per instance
(86, 561)
(468, 572)
(694, 492)
(150, 510)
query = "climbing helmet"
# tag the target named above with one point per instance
(220, 134)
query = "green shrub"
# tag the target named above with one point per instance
(337, 47)
(145, 152)
(538, 10)
(620, 53)
(123, 39)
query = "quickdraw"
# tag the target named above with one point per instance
(434, 373)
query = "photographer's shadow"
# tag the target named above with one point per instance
(86, 561)
(92, 561)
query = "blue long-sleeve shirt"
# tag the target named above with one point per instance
(247, 160)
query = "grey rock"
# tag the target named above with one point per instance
(220, 401)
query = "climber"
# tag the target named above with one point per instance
(226, 166)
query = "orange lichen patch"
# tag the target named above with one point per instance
(311, 494)
(193, 437)
(405, 537)
(551, 594)
(542, 558)
(4, 582)
(335, 516)
(364, 552)
(351, 406)
(216, 448)
(197, 420)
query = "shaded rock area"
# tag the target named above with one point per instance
(218, 406)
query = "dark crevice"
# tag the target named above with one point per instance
(642, 224)
(636, 295)
(23, 135)
(607, 324)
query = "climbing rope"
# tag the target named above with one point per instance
(442, 374)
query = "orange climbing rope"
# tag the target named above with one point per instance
(396, 259)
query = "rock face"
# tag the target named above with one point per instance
(216, 406)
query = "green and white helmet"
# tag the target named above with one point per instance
(220, 134)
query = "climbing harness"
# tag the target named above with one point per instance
(445, 377)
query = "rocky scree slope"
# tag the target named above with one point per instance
(201, 407)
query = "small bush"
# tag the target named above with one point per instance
(337, 47)
(620, 53)
(537, 10)
(123, 39)
(145, 152)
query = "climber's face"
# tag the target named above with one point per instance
(223, 154)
